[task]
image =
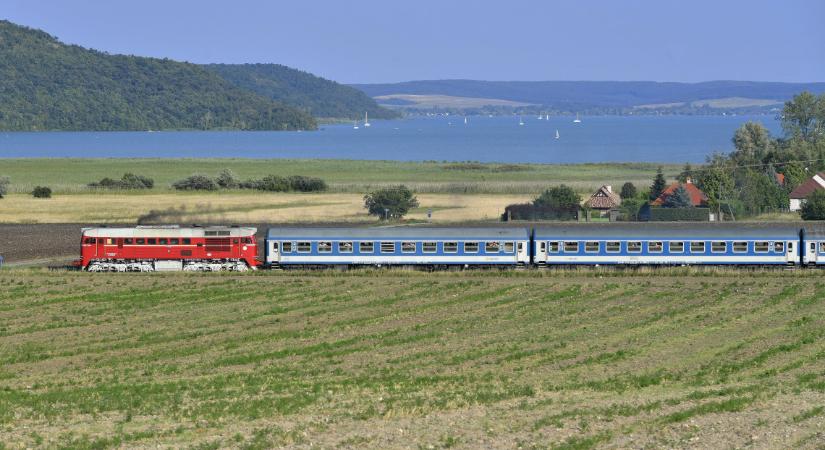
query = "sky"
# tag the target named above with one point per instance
(375, 41)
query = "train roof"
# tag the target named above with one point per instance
(664, 230)
(168, 231)
(399, 232)
(814, 230)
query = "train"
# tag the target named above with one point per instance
(235, 248)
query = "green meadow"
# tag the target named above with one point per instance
(395, 359)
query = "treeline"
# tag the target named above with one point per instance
(48, 85)
(270, 183)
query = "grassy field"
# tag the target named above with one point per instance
(72, 175)
(674, 359)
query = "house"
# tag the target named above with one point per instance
(604, 199)
(805, 189)
(697, 197)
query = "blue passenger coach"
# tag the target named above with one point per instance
(428, 246)
(667, 244)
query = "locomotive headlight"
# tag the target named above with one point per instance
(244, 248)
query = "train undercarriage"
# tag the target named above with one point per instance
(194, 265)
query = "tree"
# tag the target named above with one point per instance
(716, 180)
(753, 142)
(803, 117)
(4, 185)
(685, 174)
(196, 182)
(559, 197)
(628, 191)
(42, 192)
(392, 202)
(227, 179)
(679, 198)
(658, 185)
(814, 207)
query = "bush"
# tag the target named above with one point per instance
(560, 197)
(390, 202)
(4, 185)
(529, 211)
(814, 207)
(227, 179)
(660, 214)
(42, 192)
(196, 182)
(628, 191)
(275, 183)
(306, 184)
(128, 181)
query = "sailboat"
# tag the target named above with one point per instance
(520, 121)
(557, 134)
(577, 119)
(366, 120)
(355, 125)
(465, 120)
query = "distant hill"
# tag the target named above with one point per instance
(616, 96)
(48, 85)
(315, 95)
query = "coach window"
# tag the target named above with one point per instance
(655, 247)
(591, 247)
(429, 247)
(571, 247)
(388, 247)
(109, 241)
(140, 241)
(163, 241)
(324, 247)
(366, 247)
(450, 247)
(740, 247)
(613, 246)
(634, 247)
(151, 241)
(127, 241)
(552, 247)
(304, 247)
(187, 241)
(471, 247)
(761, 247)
(718, 247)
(676, 247)
(822, 247)
(779, 247)
(508, 247)
(345, 247)
(286, 247)
(408, 247)
(697, 247)
(491, 247)
(174, 241)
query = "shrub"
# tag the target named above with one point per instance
(275, 183)
(196, 182)
(529, 211)
(628, 191)
(390, 202)
(4, 185)
(227, 179)
(128, 181)
(306, 184)
(560, 197)
(42, 192)
(814, 207)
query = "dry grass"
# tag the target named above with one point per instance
(369, 359)
(239, 207)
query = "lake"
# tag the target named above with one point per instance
(487, 139)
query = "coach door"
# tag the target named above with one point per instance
(101, 247)
(811, 255)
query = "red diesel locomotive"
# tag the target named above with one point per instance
(168, 248)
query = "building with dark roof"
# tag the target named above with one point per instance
(805, 189)
(604, 199)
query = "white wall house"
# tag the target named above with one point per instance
(805, 189)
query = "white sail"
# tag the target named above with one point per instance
(557, 134)
(366, 119)
(355, 125)
(577, 119)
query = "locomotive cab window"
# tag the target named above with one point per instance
(366, 247)
(388, 247)
(613, 246)
(591, 246)
(429, 247)
(761, 247)
(151, 241)
(740, 247)
(471, 247)
(553, 247)
(345, 247)
(676, 247)
(109, 241)
(491, 247)
(89, 240)
(655, 247)
(408, 247)
(779, 247)
(571, 247)
(140, 241)
(508, 247)
(697, 247)
(187, 241)
(718, 247)
(450, 247)
(286, 247)
(174, 241)
(324, 247)
(304, 247)
(634, 247)
(163, 241)
(128, 241)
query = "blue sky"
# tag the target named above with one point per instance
(387, 41)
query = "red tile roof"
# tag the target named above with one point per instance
(805, 189)
(697, 197)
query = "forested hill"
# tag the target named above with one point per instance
(318, 96)
(48, 85)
